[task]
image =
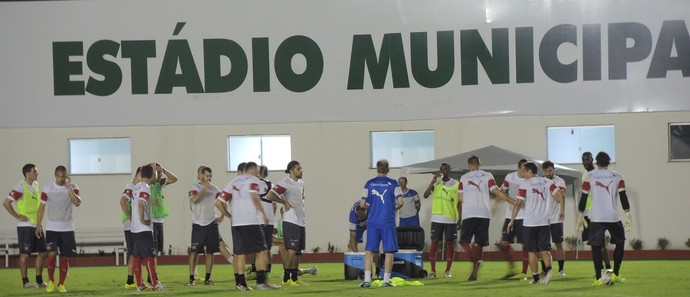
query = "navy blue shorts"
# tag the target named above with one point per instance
(389, 236)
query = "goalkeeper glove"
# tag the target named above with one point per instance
(627, 223)
(581, 223)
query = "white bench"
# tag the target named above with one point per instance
(9, 245)
(108, 237)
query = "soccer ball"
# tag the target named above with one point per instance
(606, 277)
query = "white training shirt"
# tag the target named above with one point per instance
(141, 192)
(512, 184)
(204, 210)
(239, 194)
(292, 191)
(604, 185)
(475, 187)
(555, 205)
(17, 194)
(410, 199)
(128, 193)
(536, 192)
(267, 204)
(58, 207)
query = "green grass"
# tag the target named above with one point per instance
(643, 278)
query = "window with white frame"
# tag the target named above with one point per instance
(100, 156)
(566, 144)
(679, 141)
(402, 148)
(273, 151)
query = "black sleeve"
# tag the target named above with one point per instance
(625, 203)
(583, 202)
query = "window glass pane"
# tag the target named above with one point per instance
(274, 151)
(243, 149)
(277, 152)
(566, 144)
(679, 142)
(402, 148)
(100, 156)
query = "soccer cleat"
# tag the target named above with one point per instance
(131, 286)
(509, 274)
(475, 271)
(290, 283)
(533, 282)
(243, 288)
(447, 274)
(61, 289)
(267, 286)
(387, 284)
(29, 285)
(41, 285)
(301, 283)
(313, 270)
(606, 277)
(209, 283)
(191, 283)
(431, 274)
(547, 278)
(144, 289)
(598, 283)
(561, 273)
(50, 287)
(159, 287)
(616, 279)
(365, 285)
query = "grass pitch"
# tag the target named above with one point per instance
(643, 278)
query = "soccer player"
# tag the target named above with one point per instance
(159, 206)
(604, 185)
(536, 194)
(510, 186)
(358, 224)
(26, 196)
(473, 195)
(409, 212)
(269, 208)
(383, 197)
(126, 205)
(588, 163)
(290, 192)
(556, 222)
(445, 216)
(144, 243)
(247, 231)
(204, 224)
(57, 200)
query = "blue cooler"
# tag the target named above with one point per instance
(354, 265)
(406, 264)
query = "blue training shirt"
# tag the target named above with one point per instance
(379, 192)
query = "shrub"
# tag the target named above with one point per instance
(636, 244)
(662, 243)
(316, 249)
(497, 245)
(572, 242)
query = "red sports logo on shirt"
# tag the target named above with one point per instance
(541, 194)
(606, 187)
(472, 183)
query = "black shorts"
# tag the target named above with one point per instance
(158, 236)
(438, 230)
(537, 238)
(128, 242)
(248, 239)
(205, 239)
(517, 231)
(143, 244)
(585, 231)
(295, 237)
(63, 241)
(597, 230)
(556, 232)
(268, 234)
(28, 243)
(477, 228)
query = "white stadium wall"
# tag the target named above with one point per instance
(328, 73)
(336, 162)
